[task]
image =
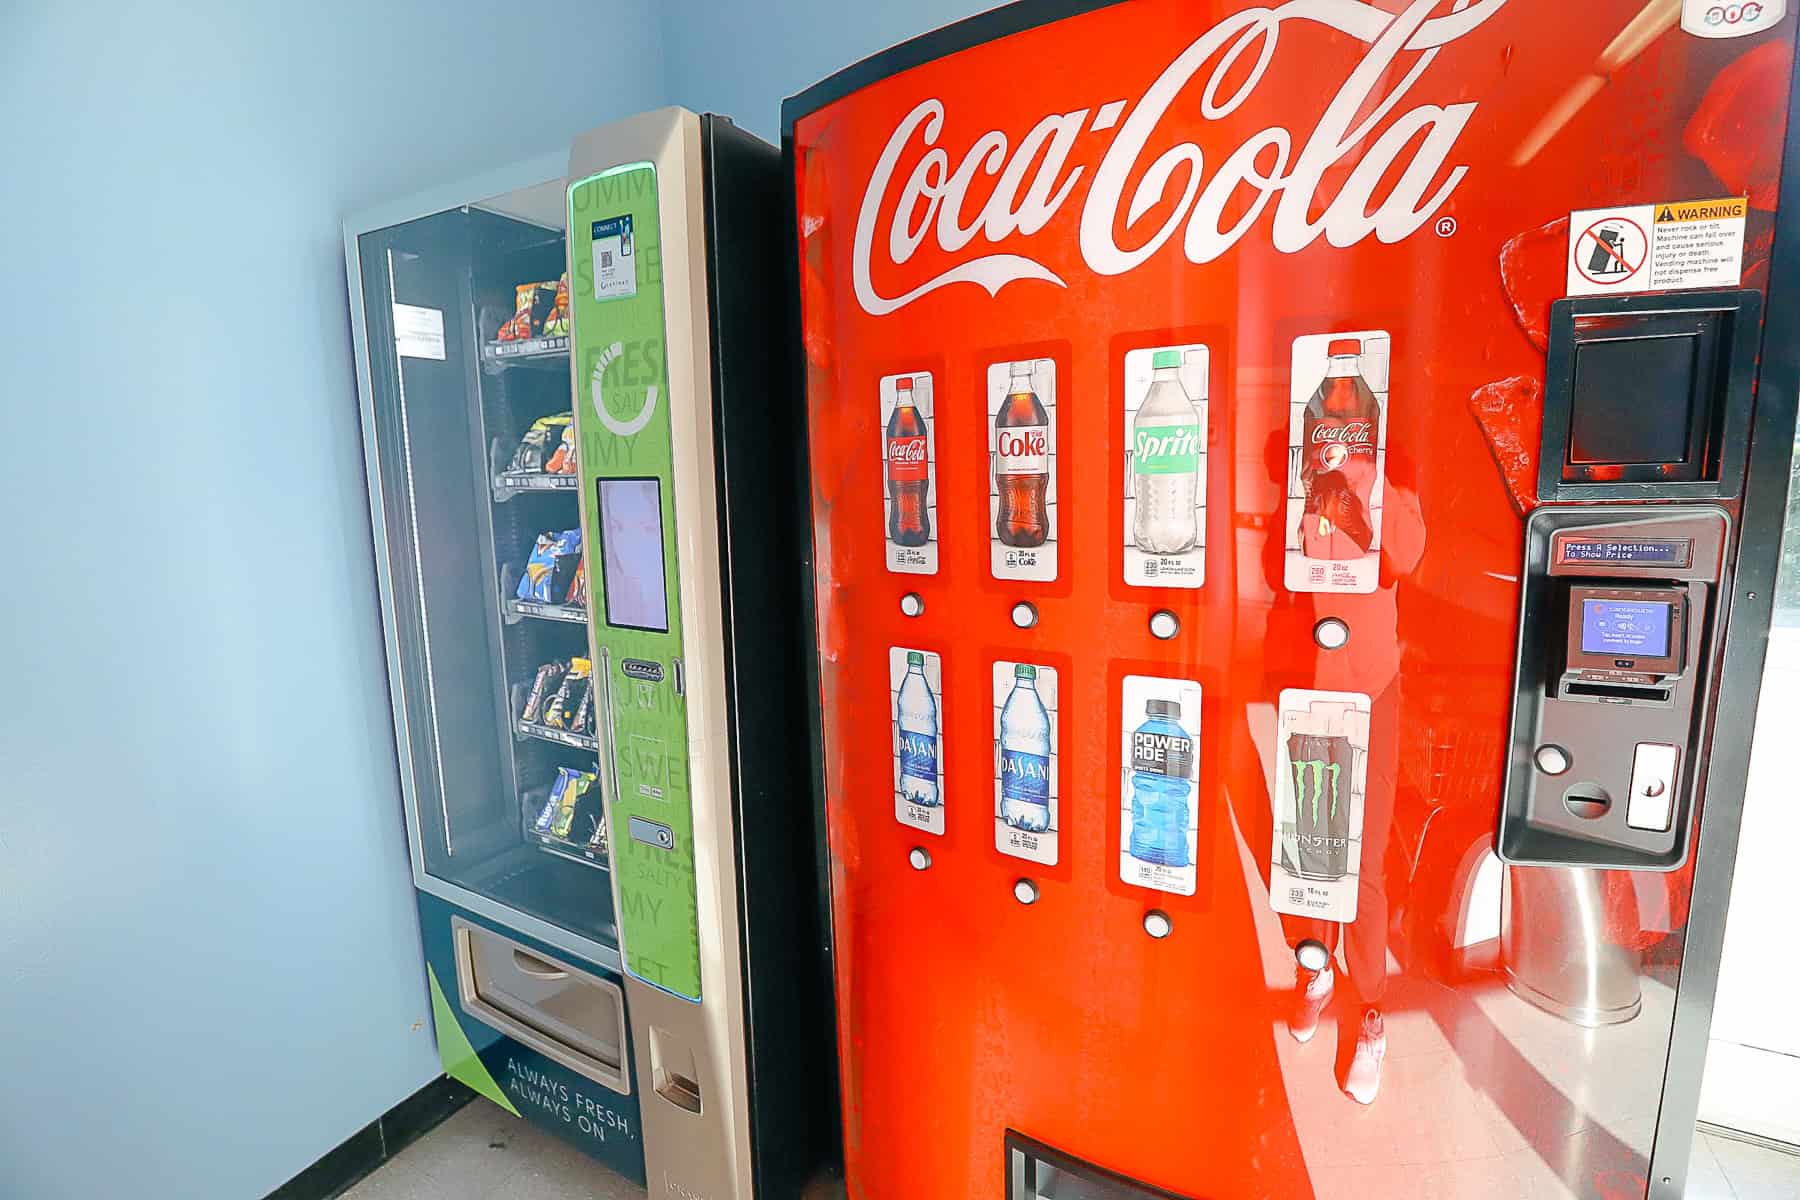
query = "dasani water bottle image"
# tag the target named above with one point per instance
(1025, 755)
(916, 716)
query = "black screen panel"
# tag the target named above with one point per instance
(1633, 400)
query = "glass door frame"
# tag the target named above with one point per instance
(467, 192)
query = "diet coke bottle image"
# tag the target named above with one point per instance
(1022, 462)
(909, 463)
(908, 470)
(1337, 438)
(1021, 401)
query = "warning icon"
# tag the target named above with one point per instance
(1611, 251)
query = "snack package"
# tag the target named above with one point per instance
(534, 453)
(562, 462)
(570, 696)
(598, 842)
(543, 687)
(558, 815)
(532, 302)
(578, 587)
(551, 569)
(557, 322)
(582, 720)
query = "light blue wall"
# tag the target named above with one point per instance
(209, 963)
(743, 57)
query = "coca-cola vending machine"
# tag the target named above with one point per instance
(1295, 497)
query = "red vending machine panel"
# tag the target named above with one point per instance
(1202, 401)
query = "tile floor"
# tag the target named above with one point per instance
(482, 1153)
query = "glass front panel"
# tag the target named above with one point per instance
(1175, 375)
(467, 315)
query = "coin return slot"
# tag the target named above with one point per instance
(672, 1070)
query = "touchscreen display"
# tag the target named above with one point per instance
(631, 554)
(1625, 628)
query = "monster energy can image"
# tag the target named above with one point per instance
(1322, 774)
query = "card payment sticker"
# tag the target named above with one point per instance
(615, 259)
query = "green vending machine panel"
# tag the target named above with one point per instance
(621, 386)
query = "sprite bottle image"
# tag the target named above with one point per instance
(1165, 462)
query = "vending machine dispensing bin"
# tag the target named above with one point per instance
(1295, 498)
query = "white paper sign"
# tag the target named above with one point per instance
(1653, 247)
(419, 332)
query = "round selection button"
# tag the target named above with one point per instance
(1552, 760)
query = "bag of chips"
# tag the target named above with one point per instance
(532, 302)
(562, 462)
(551, 569)
(570, 696)
(557, 322)
(542, 443)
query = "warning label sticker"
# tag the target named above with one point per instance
(1650, 247)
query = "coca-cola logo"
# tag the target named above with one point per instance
(907, 450)
(1024, 184)
(1350, 433)
(1021, 443)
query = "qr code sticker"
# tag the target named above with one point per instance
(606, 258)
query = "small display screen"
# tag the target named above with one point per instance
(1659, 552)
(631, 554)
(1625, 628)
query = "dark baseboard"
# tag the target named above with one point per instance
(376, 1142)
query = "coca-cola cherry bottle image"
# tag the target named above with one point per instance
(1337, 467)
(908, 470)
(1022, 462)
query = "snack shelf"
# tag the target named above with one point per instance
(544, 611)
(508, 484)
(550, 351)
(560, 737)
(575, 852)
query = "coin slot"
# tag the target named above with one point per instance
(1588, 801)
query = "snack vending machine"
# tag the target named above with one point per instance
(1295, 494)
(585, 511)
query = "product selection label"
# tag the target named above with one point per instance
(909, 473)
(915, 698)
(1337, 458)
(1159, 811)
(1026, 800)
(1164, 431)
(1321, 779)
(1021, 432)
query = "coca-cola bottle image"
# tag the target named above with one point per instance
(908, 470)
(1022, 462)
(1337, 466)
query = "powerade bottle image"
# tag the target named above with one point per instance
(916, 714)
(1025, 754)
(1165, 462)
(1162, 758)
